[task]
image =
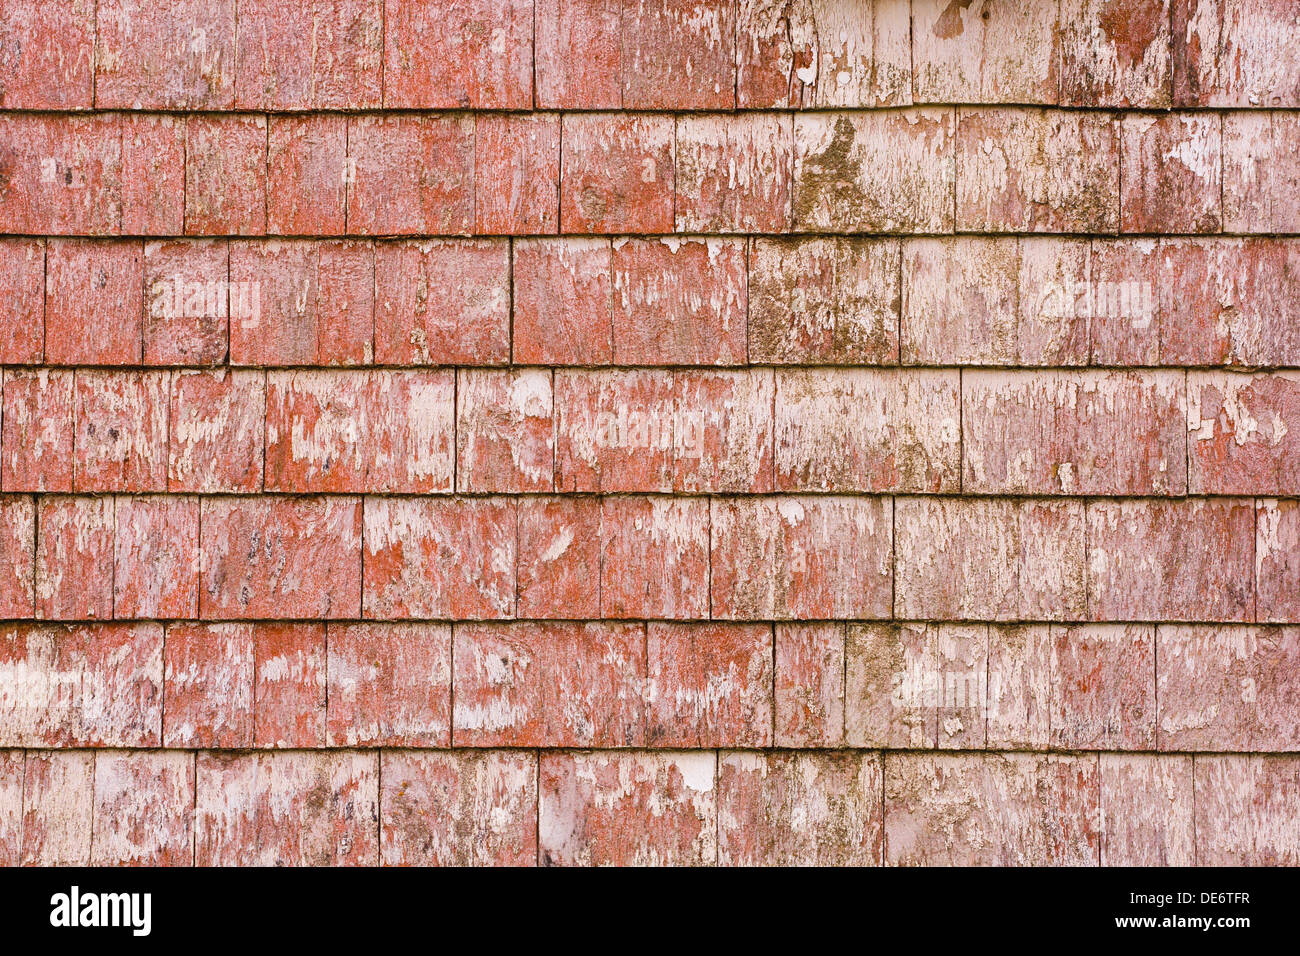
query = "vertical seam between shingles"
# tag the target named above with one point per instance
(1223, 214)
(559, 177)
(1254, 561)
(361, 600)
(379, 805)
(735, 55)
(266, 176)
(162, 692)
(347, 174)
(94, 773)
(451, 684)
(537, 806)
(1155, 683)
(1187, 433)
(772, 685)
(1173, 59)
(194, 808)
(961, 430)
(841, 738)
(717, 808)
(112, 576)
(893, 577)
(510, 299)
(325, 717)
(455, 430)
(22, 807)
(94, 57)
(1101, 812)
(911, 69)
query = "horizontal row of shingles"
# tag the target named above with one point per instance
(922, 170)
(691, 300)
(1218, 688)
(634, 54)
(651, 431)
(684, 558)
(671, 807)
